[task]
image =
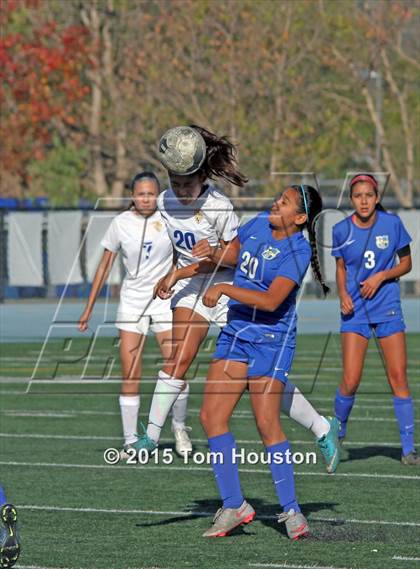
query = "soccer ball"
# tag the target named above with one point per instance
(182, 150)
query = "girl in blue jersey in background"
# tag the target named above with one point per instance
(365, 246)
(273, 259)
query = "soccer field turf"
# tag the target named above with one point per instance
(78, 512)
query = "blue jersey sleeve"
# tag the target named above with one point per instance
(337, 242)
(294, 265)
(402, 236)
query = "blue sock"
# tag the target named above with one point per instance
(3, 499)
(343, 406)
(404, 411)
(283, 478)
(226, 471)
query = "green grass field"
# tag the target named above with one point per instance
(78, 512)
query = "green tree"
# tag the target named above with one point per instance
(59, 175)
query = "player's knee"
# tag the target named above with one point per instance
(178, 366)
(348, 386)
(265, 427)
(206, 419)
(399, 385)
(214, 423)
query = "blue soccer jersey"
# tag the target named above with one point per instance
(367, 251)
(262, 259)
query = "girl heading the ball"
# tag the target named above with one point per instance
(193, 209)
(366, 246)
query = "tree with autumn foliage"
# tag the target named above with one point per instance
(43, 82)
(96, 82)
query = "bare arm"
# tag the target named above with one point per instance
(346, 303)
(207, 265)
(225, 256)
(100, 278)
(269, 301)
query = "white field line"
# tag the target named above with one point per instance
(100, 356)
(50, 567)
(400, 558)
(166, 440)
(204, 515)
(361, 400)
(207, 469)
(76, 380)
(245, 414)
(292, 566)
(37, 567)
(358, 405)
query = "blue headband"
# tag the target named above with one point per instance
(304, 200)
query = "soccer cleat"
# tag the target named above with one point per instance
(296, 524)
(127, 451)
(329, 445)
(183, 444)
(227, 519)
(411, 459)
(9, 537)
(143, 442)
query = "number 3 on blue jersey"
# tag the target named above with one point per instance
(370, 259)
(249, 265)
(184, 240)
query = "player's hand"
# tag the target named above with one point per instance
(212, 295)
(346, 304)
(371, 285)
(164, 287)
(203, 250)
(83, 321)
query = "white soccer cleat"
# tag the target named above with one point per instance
(227, 519)
(183, 444)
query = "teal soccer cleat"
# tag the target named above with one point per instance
(144, 442)
(131, 450)
(330, 446)
(9, 537)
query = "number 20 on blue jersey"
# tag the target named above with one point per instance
(249, 264)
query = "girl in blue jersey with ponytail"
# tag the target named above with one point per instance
(366, 245)
(256, 348)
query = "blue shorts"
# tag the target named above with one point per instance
(382, 329)
(264, 359)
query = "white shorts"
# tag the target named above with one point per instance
(141, 324)
(190, 296)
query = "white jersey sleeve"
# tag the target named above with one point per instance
(111, 240)
(227, 224)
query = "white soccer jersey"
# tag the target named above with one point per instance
(211, 217)
(147, 256)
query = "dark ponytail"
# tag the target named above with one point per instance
(369, 179)
(220, 160)
(311, 203)
(139, 177)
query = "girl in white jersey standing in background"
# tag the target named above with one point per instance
(141, 236)
(200, 219)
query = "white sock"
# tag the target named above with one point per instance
(179, 409)
(166, 392)
(129, 405)
(298, 408)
